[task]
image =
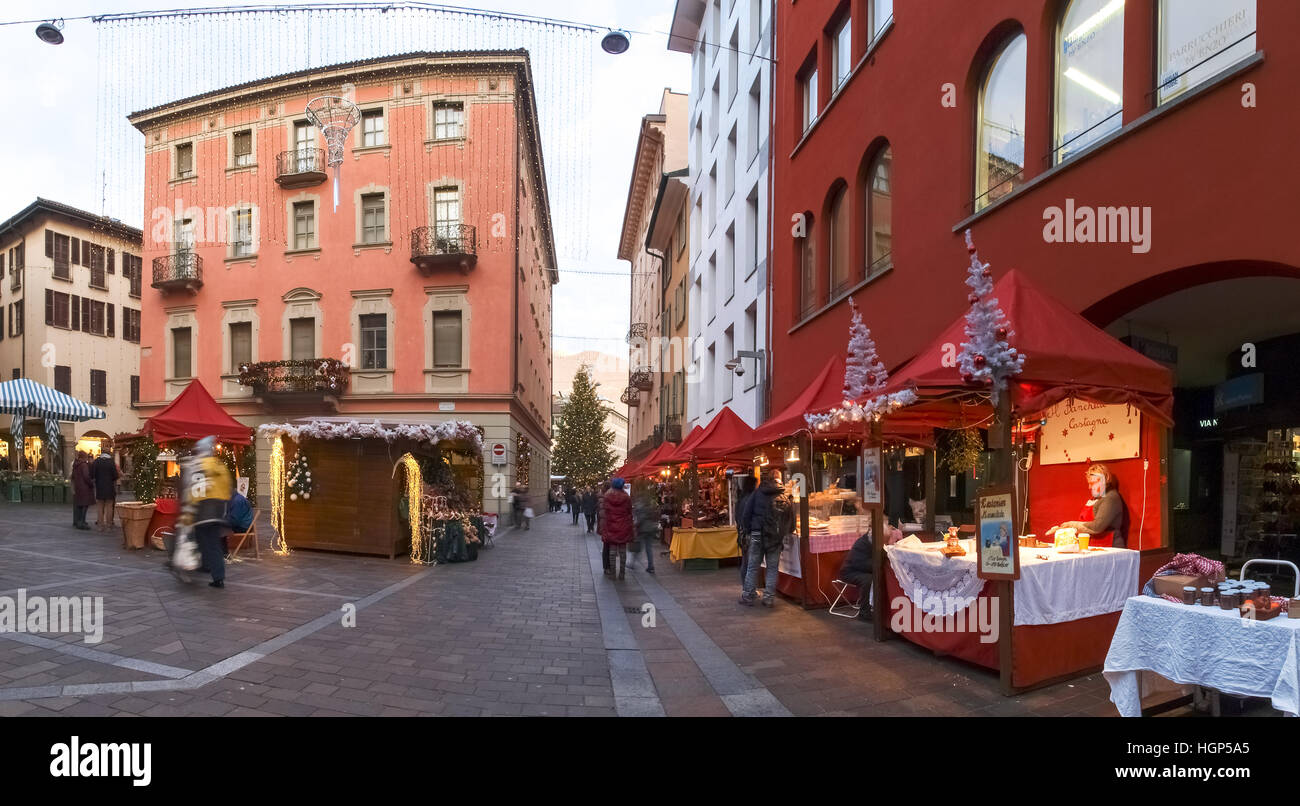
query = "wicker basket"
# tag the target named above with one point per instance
(135, 517)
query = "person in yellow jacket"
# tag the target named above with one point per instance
(206, 489)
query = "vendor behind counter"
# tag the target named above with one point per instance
(1105, 515)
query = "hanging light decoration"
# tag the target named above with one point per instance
(414, 489)
(280, 546)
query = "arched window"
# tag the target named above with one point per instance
(840, 234)
(1000, 149)
(807, 269)
(879, 207)
(1199, 38)
(1089, 74)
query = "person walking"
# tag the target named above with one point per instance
(83, 490)
(769, 517)
(617, 526)
(104, 472)
(747, 486)
(645, 514)
(206, 490)
(519, 505)
(571, 500)
(589, 504)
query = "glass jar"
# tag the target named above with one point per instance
(1189, 594)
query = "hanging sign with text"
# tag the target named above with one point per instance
(1079, 431)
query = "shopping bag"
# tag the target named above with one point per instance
(186, 556)
(528, 512)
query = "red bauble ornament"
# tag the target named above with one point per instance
(1001, 333)
(968, 378)
(973, 298)
(980, 361)
(986, 274)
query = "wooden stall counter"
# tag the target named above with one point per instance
(717, 543)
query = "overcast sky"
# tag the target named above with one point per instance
(50, 146)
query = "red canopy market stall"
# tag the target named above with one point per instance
(1081, 396)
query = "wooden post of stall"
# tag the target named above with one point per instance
(1003, 469)
(880, 605)
(931, 495)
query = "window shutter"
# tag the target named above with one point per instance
(108, 320)
(49, 307)
(76, 251)
(85, 314)
(49, 243)
(74, 313)
(112, 262)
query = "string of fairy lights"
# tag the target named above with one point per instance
(149, 60)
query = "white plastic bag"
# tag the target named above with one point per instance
(528, 513)
(186, 555)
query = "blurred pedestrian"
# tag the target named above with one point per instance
(104, 471)
(83, 490)
(617, 526)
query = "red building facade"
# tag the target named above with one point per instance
(1128, 155)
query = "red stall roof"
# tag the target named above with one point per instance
(194, 415)
(721, 435)
(651, 462)
(1065, 356)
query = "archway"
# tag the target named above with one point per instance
(1230, 332)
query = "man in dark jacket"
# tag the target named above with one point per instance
(589, 503)
(571, 500)
(747, 486)
(769, 516)
(857, 571)
(104, 472)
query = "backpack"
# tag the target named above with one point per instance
(240, 513)
(775, 519)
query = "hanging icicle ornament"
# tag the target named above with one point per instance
(335, 117)
(986, 357)
(280, 546)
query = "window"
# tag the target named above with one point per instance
(1089, 74)
(879, 229)
(842, 53)
(809, 82)
(731, 165)
(304, 144)
(98, 387)
(372, 128)
(711, 289)
(184, 160)
(184, 231)
(75, 310)
(181, 352)
(755, 125)
(241, 345)
(882, 11)
(807, 270)
(679, 232)
(448, 120)
(374, 341)
(839, 241)
(446, 338)
(16, 318)
(133, 270)
(302, 338)
(1199, 38)
(304, 225)
(96, 262)
(17, 374)
(1000, 150)
(241, 242)
(135, 389)
(729, 264)
(372, 218)
(242, 148)
(727, 385)
(94, 321)
(751, 340)
(755, 236)
(131, 325)
(755, 23)
(446, 212)
(57, 308)
(63, 379)
(733, 64)
(715, 111)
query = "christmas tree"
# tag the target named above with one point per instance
(865, 378)
(987, 356)
(582, 443)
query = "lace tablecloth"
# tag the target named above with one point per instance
(1206, 646)
(1063, 587)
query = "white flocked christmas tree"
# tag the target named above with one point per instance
(987, 356)
(865, 378)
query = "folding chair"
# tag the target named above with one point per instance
(242, 536)
(850, 608)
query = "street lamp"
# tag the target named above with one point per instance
(50, 32)
(615, 42)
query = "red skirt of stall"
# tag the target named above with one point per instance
(1039, 652)
(814, 588)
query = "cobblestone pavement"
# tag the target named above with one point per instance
(531, 628)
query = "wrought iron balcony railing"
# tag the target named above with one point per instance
(631, 396)
(300, 167)
(312, 375)
(639, 330)
(444, 245)
(182, 270)
(642, 379)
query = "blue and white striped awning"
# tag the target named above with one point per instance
(27, 398)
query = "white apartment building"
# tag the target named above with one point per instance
(730, 42)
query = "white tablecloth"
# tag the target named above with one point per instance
(1063, 587)
(1205, 646)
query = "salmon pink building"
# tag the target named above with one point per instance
(421, 292)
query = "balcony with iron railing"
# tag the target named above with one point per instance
(639, 330)
(631, 396)
(301, 167)
(311, 383)
(182, 270)
(642, 379)
(444, 245)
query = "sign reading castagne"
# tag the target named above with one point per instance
(1079, 431)
(996, 544)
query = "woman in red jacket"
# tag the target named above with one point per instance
(617, 529)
